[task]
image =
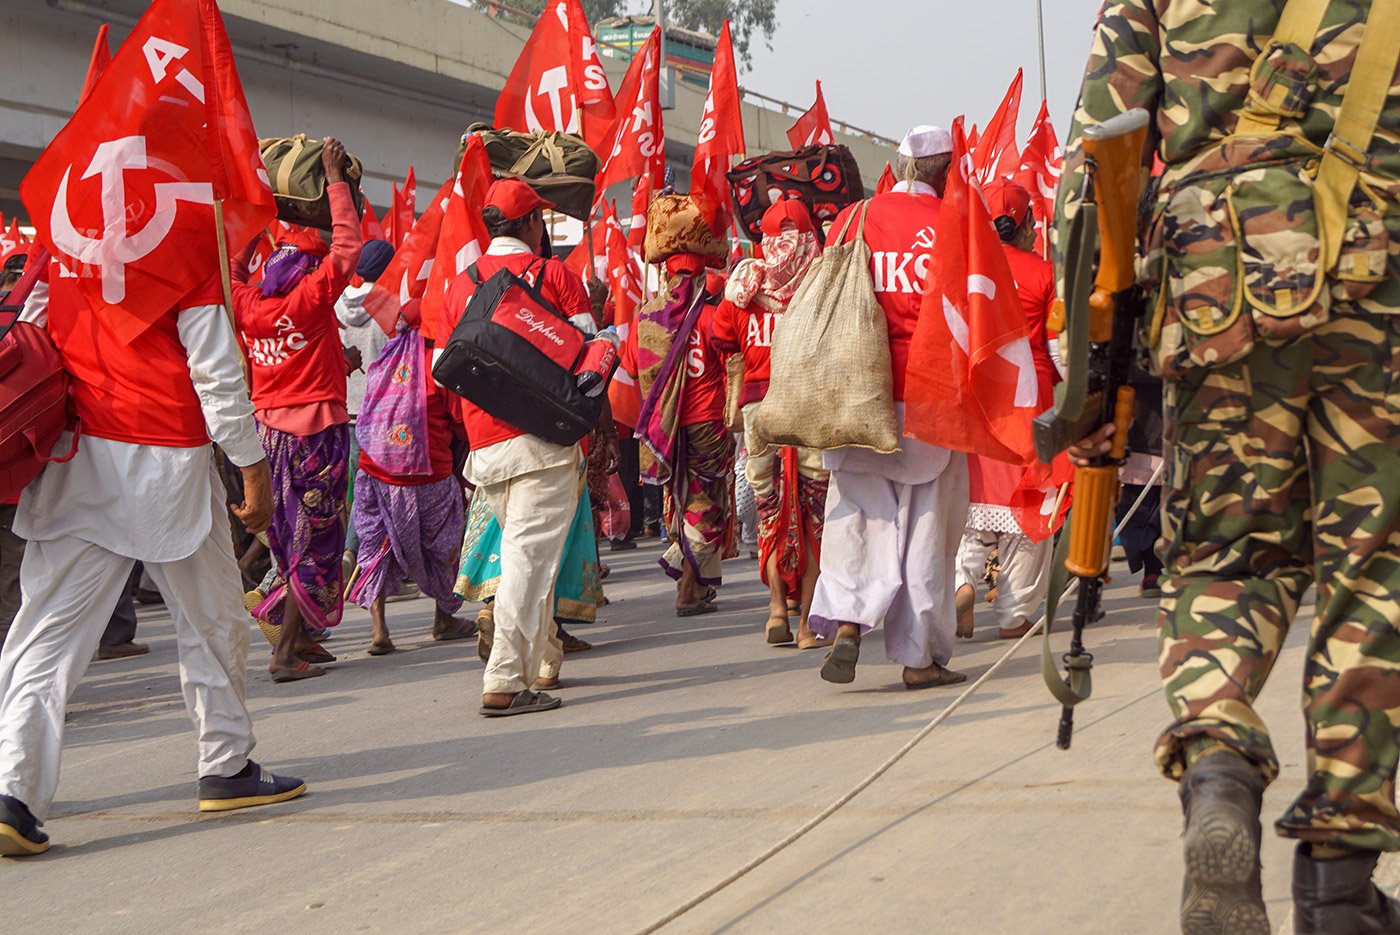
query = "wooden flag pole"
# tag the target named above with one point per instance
(227, 281)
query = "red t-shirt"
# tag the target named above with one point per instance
(1035, 282)
(750, 331)
(439, 440)
(562, 289)
(899, 228)
(140, 392)
(293, 341)
(704, 374)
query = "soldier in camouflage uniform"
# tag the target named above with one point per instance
(1283, 423)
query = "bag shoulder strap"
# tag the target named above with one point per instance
(1348, 148)
(857, 215)
(19, 293)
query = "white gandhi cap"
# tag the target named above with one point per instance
(925, 141)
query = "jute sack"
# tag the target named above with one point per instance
(832, 382)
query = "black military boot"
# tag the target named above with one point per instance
(1221, 795)
(1333, 896)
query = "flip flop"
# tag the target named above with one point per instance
(302, 670)
(777, 632)
(945, 677)
(461, 630)
(316, 656)
(382, 649)
(526, 702)
(840, 665)
(813, 642)
(704, 607)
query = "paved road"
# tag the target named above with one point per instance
(685, 748)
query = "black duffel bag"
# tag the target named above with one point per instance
(824, 178)
(516, 356)
(560, 166)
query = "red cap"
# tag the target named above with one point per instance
(514, 198)
(1006, 198)
(305, 240)
(789, 209)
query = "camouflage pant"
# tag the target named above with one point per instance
(1284, 471)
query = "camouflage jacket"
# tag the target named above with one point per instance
(1188, 63)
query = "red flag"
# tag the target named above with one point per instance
(101, 57)
(405, 279)
(996, 154)
(887, 181)
(558, 83)
(621, 273)
(814, 127)
(405, 206)
(124, 194)
(972, 383)
(463, 237)
(1033, 502)
(721, 139)
(391, 220)
(637, 144)
(973, 138)
(593, 247)
(637, 229)
(1039, 174)
(370, 227)
(266, 245)
(11, 238)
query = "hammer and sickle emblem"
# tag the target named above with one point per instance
(117, 248)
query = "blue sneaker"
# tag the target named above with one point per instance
(251, 787)
(19, 830)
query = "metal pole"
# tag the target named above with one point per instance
(1040, 23)
(659, 11)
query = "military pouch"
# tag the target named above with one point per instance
(1283, 83)
(1280, 253)
(1365, 253)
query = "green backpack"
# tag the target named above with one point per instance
(560, 166)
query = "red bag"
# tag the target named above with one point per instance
(617, 512)
(33, 393)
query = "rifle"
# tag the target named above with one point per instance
(1101, 312)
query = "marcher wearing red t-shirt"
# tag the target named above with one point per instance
(894, 521)
(531, 484)
(681, 375)
(1024, 575)
(291, 337)
(789, 484)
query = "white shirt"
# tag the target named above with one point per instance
(914, 188)
(360, 331)
(147, 502)
(916, 462)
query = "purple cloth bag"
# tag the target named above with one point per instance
(392, 427)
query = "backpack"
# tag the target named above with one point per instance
(33, 393)
(515, 356)
(299, 180)
(824, 178)
(559, 166)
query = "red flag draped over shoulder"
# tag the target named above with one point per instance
(814, 127)
(558, 83)
(124, 194)
(637, 144)
(972, 382)
(463, 237)
(1040, 174)
(996, 155)
(721, 139)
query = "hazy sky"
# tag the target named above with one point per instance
(887, 65)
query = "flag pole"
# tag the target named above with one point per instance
(226, 280)
(1040, 24)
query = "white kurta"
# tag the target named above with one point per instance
(893, 524)
(88, 520)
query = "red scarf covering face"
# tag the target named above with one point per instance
(786, 259)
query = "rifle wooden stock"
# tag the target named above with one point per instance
(1117, 186)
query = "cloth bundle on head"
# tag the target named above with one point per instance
(298, 254)
(789, 247)
(374, 258)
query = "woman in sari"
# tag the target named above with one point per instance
(789, 483)
(682, 426)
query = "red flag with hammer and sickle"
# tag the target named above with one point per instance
(721, 139)
(124, 195)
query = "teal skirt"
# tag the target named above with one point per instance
(578, 591)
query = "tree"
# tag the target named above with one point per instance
(748, 19)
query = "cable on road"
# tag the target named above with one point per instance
(900, 754)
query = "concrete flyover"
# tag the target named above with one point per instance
(398, 87)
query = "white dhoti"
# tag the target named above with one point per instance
(893, 524)
(535, 510)
(1024, 576)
